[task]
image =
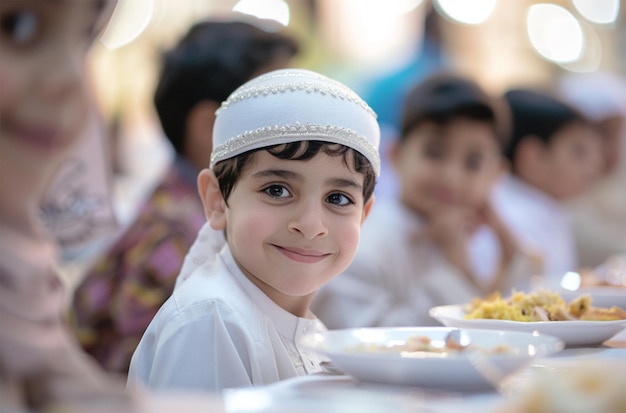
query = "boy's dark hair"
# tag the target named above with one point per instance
(537, 114)
(443, 97)
(209, 63)
(229, 170)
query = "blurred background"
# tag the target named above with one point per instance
(378, 47)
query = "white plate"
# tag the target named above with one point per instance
(572, 333)
(601, 296)
(458, 371)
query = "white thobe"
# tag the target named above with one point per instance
(598, 220)
(394, 280)
(539, 222)
(218, 331)
(205, 249)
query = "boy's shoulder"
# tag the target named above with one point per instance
(210, 288)
(386, 230)
(390, 217)
(511, 195)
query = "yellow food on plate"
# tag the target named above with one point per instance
(543, 305)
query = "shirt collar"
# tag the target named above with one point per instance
(285, 323)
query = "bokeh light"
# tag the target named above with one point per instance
(598, 11)
(467, 11)
(591, 56)
(130, 18)
(555, 33)
(276, 10)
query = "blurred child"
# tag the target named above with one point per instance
(598, 216)
(293, 169)
(126, 287)
(44, 104)
(555, 156)
(416, 250)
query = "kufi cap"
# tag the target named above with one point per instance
(599, 95)
(290, 105)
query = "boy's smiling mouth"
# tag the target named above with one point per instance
(43, 138)
(300, 255)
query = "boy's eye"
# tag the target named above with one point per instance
(20, 26)
(277, 191)
(434, 151)
(338, 199)
(579, 151)
(474, 162)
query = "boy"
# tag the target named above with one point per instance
(598, 216)
(420, 250)
(293, 168)
(138, 272)
(44, 99)
(554, 155)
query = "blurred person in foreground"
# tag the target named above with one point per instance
(599, 215)
(555, 155)
(122, 293)
(426, 246)
(44, 103)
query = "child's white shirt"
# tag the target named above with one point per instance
(539, 222)
(218, 331)
(394, 279)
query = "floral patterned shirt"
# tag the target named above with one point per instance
(125, 288)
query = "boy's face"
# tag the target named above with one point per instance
(294, 225)
(43, 99)
(447, 166)
(570, 163)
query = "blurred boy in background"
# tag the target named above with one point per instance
(555, 155)
(417, 251)
(599, 216)
(123, 292)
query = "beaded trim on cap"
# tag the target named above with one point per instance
(298, 74)
(337, 90)
(293, 73)
(272, 134)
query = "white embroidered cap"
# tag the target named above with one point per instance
(291, 105)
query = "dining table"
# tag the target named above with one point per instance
(335, 392)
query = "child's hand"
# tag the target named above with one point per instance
(508, 243)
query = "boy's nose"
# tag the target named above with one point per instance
(307, 220)
(64, 72)
(452, 175)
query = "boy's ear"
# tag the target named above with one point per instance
(503, 168)
(200, 122)
(528, 154)
(505, 165)
(367, 208)
(212, 199)
(393, 151)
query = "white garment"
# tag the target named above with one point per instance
(218, 331)
(599, 221)
(539, 222)
(205, 249)
(394, 280)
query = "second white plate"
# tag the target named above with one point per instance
(572, 333)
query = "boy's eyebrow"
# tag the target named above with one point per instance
(344, 183)
(284, 174)
(280, 173)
